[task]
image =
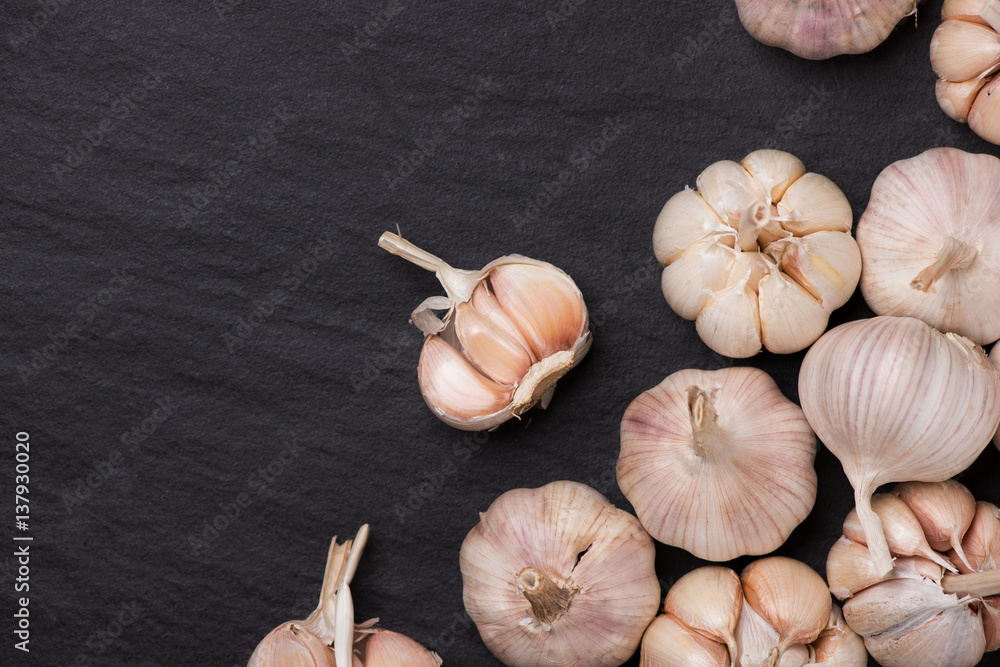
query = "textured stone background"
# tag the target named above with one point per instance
(213, 357)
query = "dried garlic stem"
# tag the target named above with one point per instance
(953, 254)
(455, 281)
(343, 644)
(548, 599)
(704, 425)
(871, 524)
(976, 584)
(754, 219)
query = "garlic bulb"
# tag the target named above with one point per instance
(965, 54)
(930, 241)
(896, 400)
(557, 576)
(718, 462)
(778, 613)
(917, 614)
(760, 254)
(824, 28)
(511, 330)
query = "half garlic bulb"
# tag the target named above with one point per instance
(965, 54)
(930, 241)
(896, 400)
(511, 330)
(939, 606)
(823, 28)
(557, 576)
(778, 613)
(718, 462)
(760, 254)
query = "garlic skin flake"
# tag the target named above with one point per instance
(918, 614)
(719, 463)
(965, 54)
(557, 576)
(778, 613)
(896, 400)
(510, 331)
(823, 28)
(759, 255)
(930, 241)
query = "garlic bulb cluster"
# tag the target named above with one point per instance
(511, 330)
(939, 606)
(930, 241)
(308, 643)
(965, 54)
(778, 613)
(760, 254)
(896, 400)
(719, 463)
(557, 576)
(823, 28)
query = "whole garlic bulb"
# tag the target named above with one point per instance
(719, 463)
(918, 615)
(930, 241)
(760, 254)
(778, 613)
(896, 400)
(965, 54)
(511, 330)
(557, 576)
(823, 28)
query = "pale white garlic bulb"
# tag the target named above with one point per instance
(918, 614)
(719, 463)
(965, 54)
(510, 331)
(930, 241)
(759, 255)
(557, 576)
(823, 28)
(896, 400)
(778, 613)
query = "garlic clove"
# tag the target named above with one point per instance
(730, 321)
(961, 50)
(849, 569)
(669, 643)
(488, 308)
(544, 304)
(897, 603)
(291, 645)
(944, 510)
(752, 262)
(991, 621)
(984, 116)
(775, 170)
(756, 641)
(708, 600)
(790, 318)
(453, 388)
(391, 649)
(956, 98)
(729, 189)
(790, 596)
(982, 541)
(814, 203)
(839, 645)
(966, 10)
(496, 354)
(686, 219)
(689, 283)
(826, 264)
(901, 528)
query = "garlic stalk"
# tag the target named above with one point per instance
(559, 576)
(759, 255)
(510, 331)
(965, 54)
(823, 28)
(917, 614)
(778, 613)
(896, 400)
(930, 241)
(719, 463)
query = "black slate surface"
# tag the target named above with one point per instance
(211, 355)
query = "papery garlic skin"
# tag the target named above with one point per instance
(930, 241)
(557, 576)
(759, 255)
(965, 54)
(719, 463)
(510, 332)
(823, 28)
(896, 400)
